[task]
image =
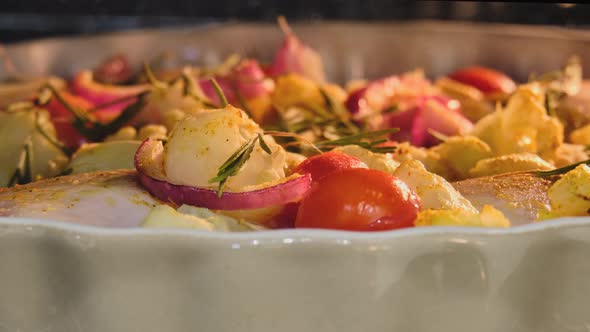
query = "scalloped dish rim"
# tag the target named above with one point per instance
(296, 235)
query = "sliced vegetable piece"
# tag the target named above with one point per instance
(86, 87)
(359, 199)
(104, 156)
(150, 154)
(295, 57)
(431, 113)
(487, 80)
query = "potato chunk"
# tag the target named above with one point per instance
(570, 195)
(522, 126)
(488, 217)
(514, 162)
(461, 153)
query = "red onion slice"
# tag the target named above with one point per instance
(293, 56)
(247, 78)
(431, 112)
(148, 160)
(86, 87)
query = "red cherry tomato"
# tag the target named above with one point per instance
(319, 167)
(326, 163)
(487, 80)
(359, 200)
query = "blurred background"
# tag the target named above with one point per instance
(27, 19)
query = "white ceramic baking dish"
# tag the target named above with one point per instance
(57, 277)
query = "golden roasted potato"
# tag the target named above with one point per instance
(514, 162)
(522, 126)
(461, 153)
(296, 90)
(473, 103)
(488, 217)
(570, 195)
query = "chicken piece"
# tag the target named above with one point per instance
(434, 191)
(514, 162)
(105, 199)
(520, 196)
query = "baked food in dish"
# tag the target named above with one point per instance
(396, 152)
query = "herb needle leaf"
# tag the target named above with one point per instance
(263, 144)
(219, 92)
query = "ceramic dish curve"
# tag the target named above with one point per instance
(57, 277)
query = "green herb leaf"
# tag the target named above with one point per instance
(66, 171)
(96, 131)
(219, 92)
(263, 144)
(561, 170)
(152, 78)
(23, 173)
(50, 91)
(366, 140)
(233, 164)
(188, 89)
(51, 140)
(340, 111)
(123, 118)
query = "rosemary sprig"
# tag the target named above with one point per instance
(219, 92)
(263, 144)
(92, 129)
(149, 74)
(48, 92)
(231, 167)
(561, 170)
(23, 173)
(236, 161)
(188, 89)
(67, 151)
(340, 111)
(368, 140)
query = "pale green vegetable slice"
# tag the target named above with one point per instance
(163, 216)
(192, 217)
(104, 156)
(29, 142)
